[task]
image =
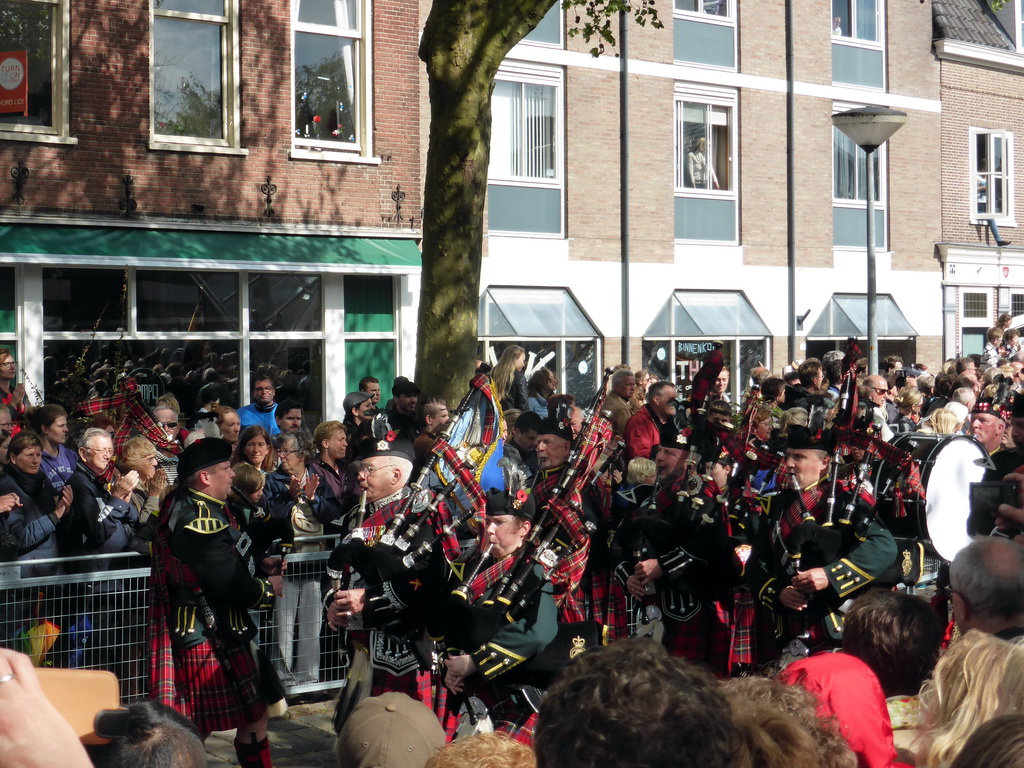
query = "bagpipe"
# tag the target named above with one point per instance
(558, 532)
(556, 544)
(412, 536)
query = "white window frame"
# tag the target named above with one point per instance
(1018, 24)
(561, 34)
(60, 67)
(965, 323)
(714, 97)
(729, 19)
(231, 118)
(1006, 219)
(518, 72)
(360, 151)
(882, 203)
(873, 45)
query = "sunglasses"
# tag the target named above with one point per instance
(168, 423)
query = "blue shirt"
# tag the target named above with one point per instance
(251, 416)
(58, 469)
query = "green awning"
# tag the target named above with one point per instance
(135, 243)
(847, 315)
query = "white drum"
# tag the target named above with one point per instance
(948, 465)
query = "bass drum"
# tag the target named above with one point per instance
(948, 465)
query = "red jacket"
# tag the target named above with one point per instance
(846, 688)
(641, 434)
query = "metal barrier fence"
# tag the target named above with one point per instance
(96, 619)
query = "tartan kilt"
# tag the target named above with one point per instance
(205, 694)
(598, 591)
(703, 639)
(616, 616)
(755, 639)
(506, 717)
(419, 685)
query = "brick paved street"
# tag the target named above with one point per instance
(303, 739)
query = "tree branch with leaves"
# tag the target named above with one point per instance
(463, 44)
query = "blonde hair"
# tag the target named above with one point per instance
(794, 417)
(639, 469)
(248, 479)
(484, 750)
(510, 415)
(505, 371)
(978, 678)
(167, 401)
(908, 397)
(324, 430)
(137, 451)
(943, 422)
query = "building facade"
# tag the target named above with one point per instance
(708, 212)
(981, 56)
(210, 189)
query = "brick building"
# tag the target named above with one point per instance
(247, 174)
(981, 56)
(708, 189)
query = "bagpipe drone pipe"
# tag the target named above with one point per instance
(421, 535)
(557, 543)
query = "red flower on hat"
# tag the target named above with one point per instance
(687, 431)
(390, 436)
(521, 496)
(316, 118)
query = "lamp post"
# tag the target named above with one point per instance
(869, 128)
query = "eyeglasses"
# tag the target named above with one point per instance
(285, 452)
(101, 451)
(881, 391)
(171, 424)
(370, 470)
(264, 389)
(8, 364)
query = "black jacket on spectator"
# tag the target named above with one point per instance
(97, 522)
(34, 523)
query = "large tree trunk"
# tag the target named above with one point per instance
(463, 43)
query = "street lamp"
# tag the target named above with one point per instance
(869, 128)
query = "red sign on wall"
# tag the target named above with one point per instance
(14, 82)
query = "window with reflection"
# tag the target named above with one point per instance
(328, 74)
(722, 8)
(194, 46)
(285, 302)
(33, 38)
(8, 309)
(183, 367)
(83, 300)
(190, 302)
(550, 325)
(296, 366)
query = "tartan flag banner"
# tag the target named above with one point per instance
(137, 418)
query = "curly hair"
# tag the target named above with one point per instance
(632, 704)
(828, 743)
(484, 750)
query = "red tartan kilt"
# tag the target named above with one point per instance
(600, 592)
(418, 685)
(616, 617)
(505, 716)
(208, 697)
(704, 639)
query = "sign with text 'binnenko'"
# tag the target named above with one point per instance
(14, 82)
